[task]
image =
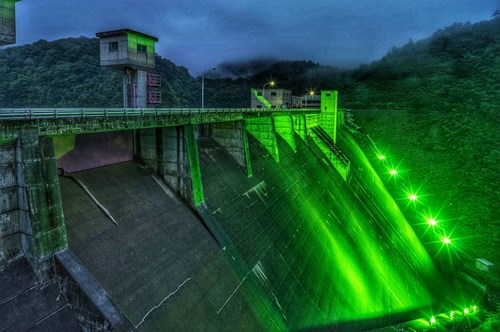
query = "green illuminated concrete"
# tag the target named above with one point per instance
(312, 120)
(327, 149)
(312, 250)
(328, 116)
(134, 39)
(284, 127)
(194, 165)
(263, 130)
(261, 98)
(63, 145)
(300, 127)
(7, 22)
(247, 150)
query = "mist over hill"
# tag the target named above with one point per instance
(449, 82)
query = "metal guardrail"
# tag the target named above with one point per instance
(62, 113)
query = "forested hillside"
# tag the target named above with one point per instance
(450, 83)
(66, 73)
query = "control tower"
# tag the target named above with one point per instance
(7, 22)
(133, 53)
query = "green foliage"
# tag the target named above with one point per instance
(450, 82)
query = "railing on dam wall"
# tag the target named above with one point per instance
(62, 113)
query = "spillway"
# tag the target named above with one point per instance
(312, 250)
(294, 247)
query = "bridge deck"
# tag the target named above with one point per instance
(68, 121)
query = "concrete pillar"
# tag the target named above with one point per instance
(300, 126)
(172, 153)
(141, 89)
(10, 236)
(126, 83)
(42, 226)
(233, 137)
(328, 116)
(284, 128)
(194, 166)
(263, 130)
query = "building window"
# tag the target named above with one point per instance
(113, 46)
(273, 93)
(328, 95)
(142, 48)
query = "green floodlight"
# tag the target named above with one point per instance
(466, 311)
(381, 157)
(475, 308)
(452, 315)
(412, 197)
(393, 172)
(446, 240)
(432, 222)
(432, 320)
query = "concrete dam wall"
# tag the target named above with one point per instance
(238, 225)
(312, 251)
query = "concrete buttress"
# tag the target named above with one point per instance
(42, 228)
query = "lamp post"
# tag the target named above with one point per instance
(310, 93)
(271, 84)
(203, 86)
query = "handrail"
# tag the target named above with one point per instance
(62, 113)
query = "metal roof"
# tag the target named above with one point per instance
(121, 32)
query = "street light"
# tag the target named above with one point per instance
(310, 93)
(271, 84)
(203, 86)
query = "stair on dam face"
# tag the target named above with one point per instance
(159, 265)
(26, 305)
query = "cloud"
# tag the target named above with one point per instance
(201, 34)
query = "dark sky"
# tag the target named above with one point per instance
(202, 34)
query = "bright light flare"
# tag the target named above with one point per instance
(393, 172)
(412, 197)
(446, 240)
(466, 311)
(432, 222)
(432, 320)
(452, 315)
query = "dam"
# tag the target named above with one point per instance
(151, 219)
(244, 219)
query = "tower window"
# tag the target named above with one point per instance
(113, 47)
(142, 48)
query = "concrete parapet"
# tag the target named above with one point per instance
(284, 128)
(233, 137)
(263, 130)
